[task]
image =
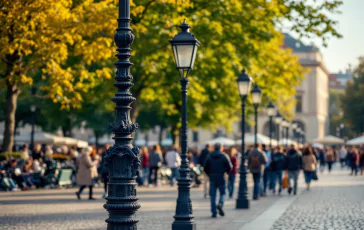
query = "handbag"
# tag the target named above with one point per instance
(285, 182)
(314, 176)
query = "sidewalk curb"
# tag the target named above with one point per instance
(266, 220)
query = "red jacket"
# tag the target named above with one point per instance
(145, 160)
(234, 162)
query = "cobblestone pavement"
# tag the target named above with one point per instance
(334, 203)
(59, 210)
(331, 199)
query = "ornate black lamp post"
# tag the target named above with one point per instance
(244, 84)
(285, 125)
(256, 98)
(122, 159)
(270, 111)
(278, 119)
(184, 46)
(342, 126)
(298, 135)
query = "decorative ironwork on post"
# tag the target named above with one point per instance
(122, 159)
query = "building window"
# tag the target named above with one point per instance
(299, 104)
(195, 136)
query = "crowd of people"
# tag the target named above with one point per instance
(272, 169)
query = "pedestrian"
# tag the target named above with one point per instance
(343, 152)
(293, 165)
(202, 158)
(173, 161)
(86, 172)
(267, 175)
(37, 153)
(330, 158)
(322, 159)
(349, 157)
(277, 166)
(256, 162)
(232, 175)
(309, 165)
(144, 154)
(216, 165)
(361, 161)
(25, 152)
(355, 160)
(104, 170)
(155, 162)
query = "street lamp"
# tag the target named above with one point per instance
(342, 126)
(285, 125)
(270, 111)
(33, 108)
(244, 85)
(298, 134)
(278, 119)
(122, 159)
(184, 46)
(256, 98)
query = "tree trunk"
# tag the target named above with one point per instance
(12, 94)
(160, 137)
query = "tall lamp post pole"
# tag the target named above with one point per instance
(33, 108)
(270, 111)
(294, 128)
(184, 46)
(278, 120)
(122, 159)
(256, 98)
(342, 126)
(244, 84)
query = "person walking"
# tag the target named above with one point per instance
(293, 164)
(173, 161)
(104, 170)
(216, 165)
(256, 162)
(232, 175)
(267, 175)
(361, 161)
(155, 162)
(202, 158)
(277, 166)
(330, 158)
(343, 152)
(145, 164)
(309, 165)
(322, 159)
(86, 172)
(355, 160)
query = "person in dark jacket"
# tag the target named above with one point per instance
(203, 156)
(322, 159)
(256, 162)
(216, 165)
(278, 165)
(293, 165)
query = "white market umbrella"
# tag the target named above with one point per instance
(356, 141)
(41, 138)
(167, 142)
(261, 139)
(317, 145)
(102, 140)
(222, 140)
(287, 142)
(330, 140)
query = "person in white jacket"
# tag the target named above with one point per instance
(173, 161)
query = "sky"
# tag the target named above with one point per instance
(339, 53)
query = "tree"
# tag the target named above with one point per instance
(352, 101)
(40, 39)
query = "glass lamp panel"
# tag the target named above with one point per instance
(270, 112)
(175, 54)
(278, 120)
(194, 56)
(184, 56)
(256, 97)
(244, 87)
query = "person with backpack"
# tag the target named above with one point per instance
(216, 165)
(173, 161)
(293, 165)
(232, 175)
(155, 162)
(267, 175)
(277, 166)
(330, 159)
(256, 162)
